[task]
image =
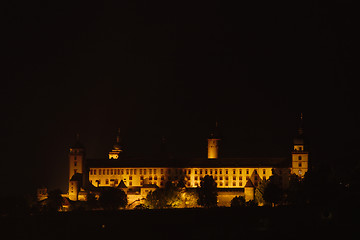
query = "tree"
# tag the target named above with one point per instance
(207, 192)
(272, 192)
(238, 201)
(54, 201)
(259, 192)
(113, 199)
(167, 197)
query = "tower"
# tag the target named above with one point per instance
(213, 144)
(116, 150)
(300, 157)
(76, 169)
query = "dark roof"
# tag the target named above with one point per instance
(194, 162)
(249, 184)
(121, 185)
(76, 177)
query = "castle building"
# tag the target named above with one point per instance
(138, 176)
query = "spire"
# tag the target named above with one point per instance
(301, 129)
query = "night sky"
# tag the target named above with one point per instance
(173, 69)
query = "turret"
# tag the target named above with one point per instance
(76, 158)
(116, 150)
(300, 157)
(213, 144)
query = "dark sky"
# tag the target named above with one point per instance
(172, 69)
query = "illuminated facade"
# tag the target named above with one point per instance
(138, 176)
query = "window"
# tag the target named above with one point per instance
(234, 178)
(154, 171)
(195, 171)
(215, 171)
(130, 178)
(189, 171)
(162, 171)
(118, 171)
(162, 177)
(220, 171)
(247, 171)
(240, 171)
(226, 184)
(161, 183)
(215, 178)
(240, 183)
(107, 171)
(298, 158)
(300, 148)
(264, 171)
(112, 172)
(130, 183)
(155, 178)
(107, 181)
(75, 163)
(299, 164)
(226, 171)
(221, 184)
(234, 183)
(91, 172)
(140, 171)
(234, 171)
(144, 171)
(99, 171)
(141, 177)
(206, 171)
(131, 172)
(196, 178)
(74, 157)
(200, 171)
(134, 171)
(122, 171)
(150, 178)
(150, 171)
(226, 178)
(169, 171)
(116, 181)
(94, 171)
(127, 171)
(221, 178)
(210, 171)
(75, 170)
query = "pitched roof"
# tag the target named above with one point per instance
(121, 185)
(249, 184)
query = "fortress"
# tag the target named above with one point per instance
(138, 176)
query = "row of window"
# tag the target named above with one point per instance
(153, 171)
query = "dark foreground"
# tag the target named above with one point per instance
(220, 223)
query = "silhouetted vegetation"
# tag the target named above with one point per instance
(238, 201)
(113, 199)
(207, 192)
